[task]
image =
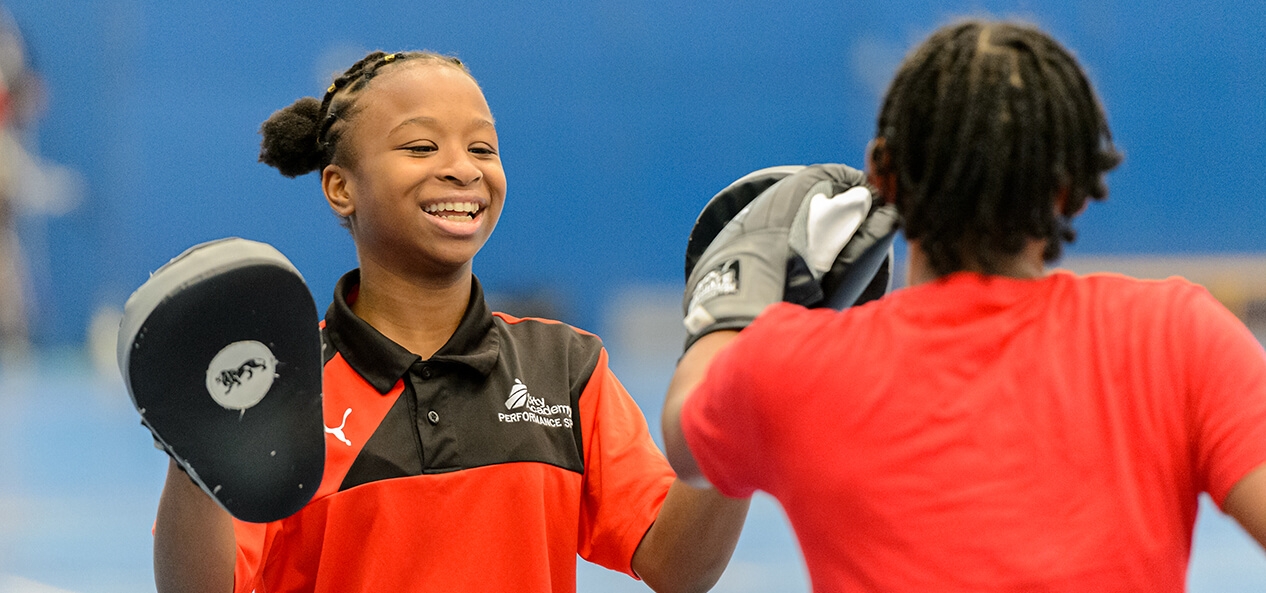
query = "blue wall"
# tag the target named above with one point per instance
(617, 121)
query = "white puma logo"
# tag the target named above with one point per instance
(338, 432)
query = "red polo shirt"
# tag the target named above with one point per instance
(488, 467)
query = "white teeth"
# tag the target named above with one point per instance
(453, 207)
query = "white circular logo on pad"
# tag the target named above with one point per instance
(241, 374)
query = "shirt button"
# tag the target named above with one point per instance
(433, 417)
(426, 372)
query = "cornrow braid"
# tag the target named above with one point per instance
(983, 126)
(304, 137)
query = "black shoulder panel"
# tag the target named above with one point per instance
(542, 370)
(451, 417)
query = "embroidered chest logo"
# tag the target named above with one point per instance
(533, 409)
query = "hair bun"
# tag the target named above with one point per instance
(289, 141)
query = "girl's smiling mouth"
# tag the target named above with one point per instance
(456, 211)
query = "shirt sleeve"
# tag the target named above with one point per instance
(1227, 376)
(626, 476)
(722, 420)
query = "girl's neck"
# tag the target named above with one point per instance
(419, 312)
(1026, 265)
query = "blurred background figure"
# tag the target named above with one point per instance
(28, 186)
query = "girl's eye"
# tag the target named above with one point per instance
(483, 150)
(420, 149)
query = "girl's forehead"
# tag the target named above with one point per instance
(424, 85)
(429, 95)
(425, 75)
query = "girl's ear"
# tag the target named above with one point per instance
(879, 170)
(338, 194)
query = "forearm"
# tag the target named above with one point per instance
(690, 543)
(691, 370)
(694, 535)
(194, 547)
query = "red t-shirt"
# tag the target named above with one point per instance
(988, 434)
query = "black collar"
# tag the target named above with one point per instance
(383, 362)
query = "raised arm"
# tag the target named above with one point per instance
(690, 543)
(194, 546)
(749, 249)
(691, 370)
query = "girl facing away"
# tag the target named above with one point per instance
(994, 426)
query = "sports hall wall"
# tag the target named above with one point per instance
(617, 121)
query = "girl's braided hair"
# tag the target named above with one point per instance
(304, 137)
(985, 124)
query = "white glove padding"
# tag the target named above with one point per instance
(778, 247)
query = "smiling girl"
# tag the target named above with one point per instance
(466, 450)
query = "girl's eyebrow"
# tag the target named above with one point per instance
(423, 120)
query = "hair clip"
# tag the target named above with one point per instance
(389, 57)
(331, 89)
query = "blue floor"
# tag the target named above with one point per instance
(79, 483)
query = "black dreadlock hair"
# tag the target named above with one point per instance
(985, 124)
(304, 137)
